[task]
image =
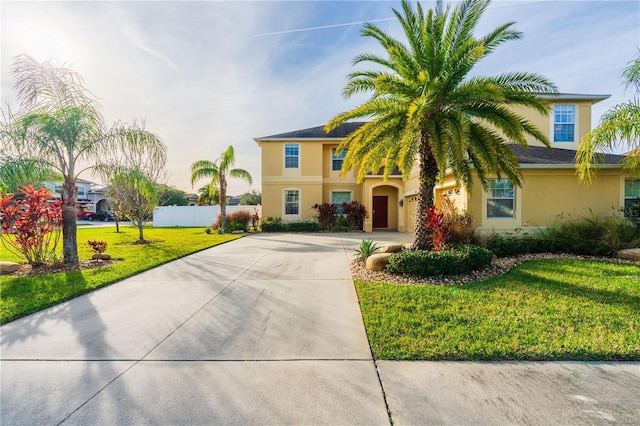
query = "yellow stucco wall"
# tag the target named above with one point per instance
(545, 123)
(547, 194)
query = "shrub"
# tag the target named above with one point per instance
(632, 212)
(596, 235)
(449, 261)
(366, 249)
(326, 214)
(275, 224)
(242, 218)
(34, 223)
(304, 226)
(235, 226)
(511, 245)
(272, 224)
(461, 225)
(438, 228)
(98, 247)
(342, 224)
(592, 236)
(356, 213)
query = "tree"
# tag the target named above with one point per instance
(135, 177)
(219, 171)
(60, 124)
(208, 194)
(134, 195)
(18, 172)
(170, 196)
(424, 105)
(251, 198)
(618, 127)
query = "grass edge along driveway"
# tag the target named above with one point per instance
(542, 310)
(21, 296)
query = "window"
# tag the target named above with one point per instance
(291, 202)
(336, 160)
(81, 191)
(564, 120)
(501, 199)
(339, 197)
(291, 156)
(57, 188)
(632, 198)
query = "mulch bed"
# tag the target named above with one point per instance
(499, 266)
(28, 270)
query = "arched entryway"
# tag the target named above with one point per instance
(385, 209)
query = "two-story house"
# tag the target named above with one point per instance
(302, 167)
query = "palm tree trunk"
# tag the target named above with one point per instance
(428, 176)
(223, 204)
(69, 225)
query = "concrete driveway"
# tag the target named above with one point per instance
(267, 330)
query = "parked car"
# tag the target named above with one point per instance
(102, 215)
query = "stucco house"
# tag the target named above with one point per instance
(93, 194)
(301, 168)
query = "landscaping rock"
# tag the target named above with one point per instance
(101, 256)
(378, 261)
(391, 248)
(631, 254)
(8, 267)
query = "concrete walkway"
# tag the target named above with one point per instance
(267, 330)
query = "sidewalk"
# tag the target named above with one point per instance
(267, 330)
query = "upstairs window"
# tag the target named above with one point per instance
(57, 188)
(632, 198)
(337, 159)
(339, 197)
(564, 121)
(501, 199)
(81, 192)
(291, 156)
(291, 202)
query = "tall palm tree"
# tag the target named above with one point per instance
(424, 105)
(59, 123)
(219, 171)
(618, 127)
(209, 194)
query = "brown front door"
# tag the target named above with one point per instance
(380, 211)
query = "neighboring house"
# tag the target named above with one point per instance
(91, 196)
(301, 168)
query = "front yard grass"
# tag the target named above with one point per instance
(542, 310)
(20, 296)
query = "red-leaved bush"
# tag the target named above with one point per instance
(326, 214)
(31, 224)
(439, 229)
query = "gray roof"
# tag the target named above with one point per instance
(339, 132)
(559, 156)
(531, 156)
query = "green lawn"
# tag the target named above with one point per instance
(20, 296)
(542, 310)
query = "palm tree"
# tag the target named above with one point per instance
(424, 105)
(619, 127)
(218, 171)
(18, 172)
(209, 194)
(60, 124)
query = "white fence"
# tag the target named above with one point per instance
(194, 215)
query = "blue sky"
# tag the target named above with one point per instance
(208, 74)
